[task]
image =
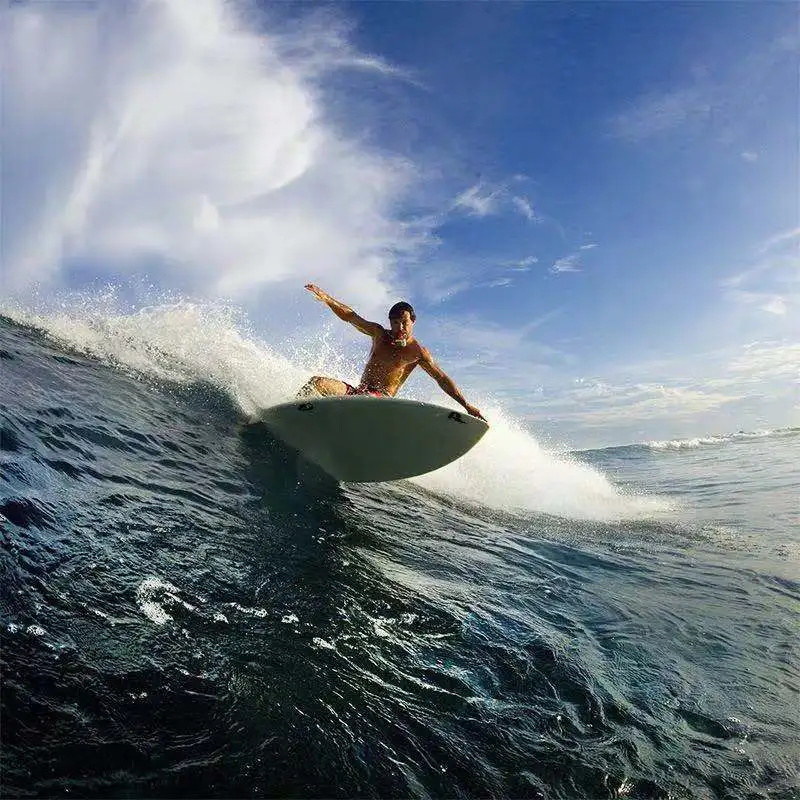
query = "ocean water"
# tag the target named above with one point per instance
(186, 611)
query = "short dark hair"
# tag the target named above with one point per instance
(398, 308)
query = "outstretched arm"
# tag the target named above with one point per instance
(345, 312)
(446, 383)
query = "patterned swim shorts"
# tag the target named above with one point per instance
(370, 390)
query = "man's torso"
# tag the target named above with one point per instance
(389, 365)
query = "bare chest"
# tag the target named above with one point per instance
(386, 353)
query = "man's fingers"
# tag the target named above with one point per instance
(476, 413)
(315, 290)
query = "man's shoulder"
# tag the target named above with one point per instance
(378, 331)
(422, 351)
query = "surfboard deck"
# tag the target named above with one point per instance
(363, 439)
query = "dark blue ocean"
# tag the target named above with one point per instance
(186, 612)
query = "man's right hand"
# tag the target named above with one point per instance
(317, 292)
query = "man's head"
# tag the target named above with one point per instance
(402, 319)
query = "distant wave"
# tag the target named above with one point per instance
(715, 440)
(720, 439)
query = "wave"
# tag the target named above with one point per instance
(192, 343)
(691, 443)
(719, 439)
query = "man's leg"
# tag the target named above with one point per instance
(325, 387)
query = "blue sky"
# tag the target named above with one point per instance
(666, 136)
(645, 154)
(593, 206)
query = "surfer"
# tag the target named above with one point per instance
(394, 355)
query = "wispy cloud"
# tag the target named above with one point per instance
(715, 391)
(661, 112)
(571, 262)
(490, 340)
(442, 280)
(785, 237)
(495, 359)
(735, 280)
(612, 404)
(524, 207)
(749, 156)
(702, 101)
(483, 200)
(768, 360)
(524, 264)
(770, 282)
(568, 263)
(478, 201)
(767, 302)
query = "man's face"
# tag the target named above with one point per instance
(402, 325)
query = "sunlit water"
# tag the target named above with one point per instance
(187, 612)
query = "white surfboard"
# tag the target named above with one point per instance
(368, 439)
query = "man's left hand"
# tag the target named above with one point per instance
(474, 412)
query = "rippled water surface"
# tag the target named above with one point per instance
(188, 611)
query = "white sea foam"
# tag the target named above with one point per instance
(148, 596)
(154, 596)
(212, 343)
(510, 470)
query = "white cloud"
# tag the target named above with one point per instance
(615, 404)
(525, 208)
(588, 246)
(477, 201)
(775, 305)
(523, 265)
(568, 263)
(749, 156)
(171, 138)
(782, 238)
(750, 302)
(777, 264)
(715, 391)
(483, 200)
(764, 360)
(660, 112)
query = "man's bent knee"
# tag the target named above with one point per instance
(320, 386)
(310, 388)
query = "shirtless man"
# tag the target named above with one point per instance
(393, 357)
